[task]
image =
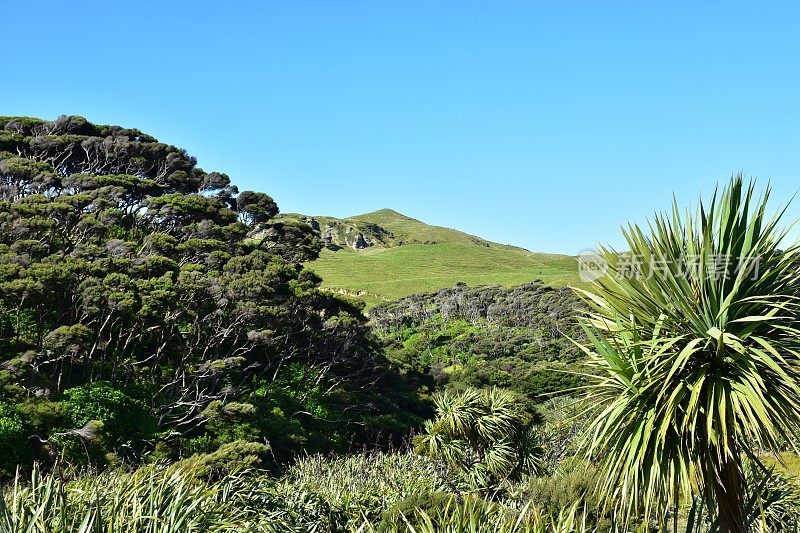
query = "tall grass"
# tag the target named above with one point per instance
(369, 493)
(469, 516)
(152, 499)
(339, 494)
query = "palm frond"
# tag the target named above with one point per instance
(697, 348)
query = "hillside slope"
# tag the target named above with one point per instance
(407, 230)
(385, 228)
(385, 255)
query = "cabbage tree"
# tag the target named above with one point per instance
(695, 346)
(485, 434)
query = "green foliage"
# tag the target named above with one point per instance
(12, 434)
(696, 354)
(517, 339)
(153, 499)
(140, 290)
(575, 481)
(257, 207)
(230, 457)
(485, 434)
(375, 492)
(122, 416)
(94, 423)
(229, 422)
(339, 494)
(422, 508)
(293, 417)
(197, 445)
(470, 515)
(564, 423)
(773, 502)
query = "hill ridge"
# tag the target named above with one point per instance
(384, 211)
(384, 255)
(387, 228)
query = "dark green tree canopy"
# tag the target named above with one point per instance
(256, 207)
(123, 262)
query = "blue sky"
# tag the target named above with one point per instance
(542, 124)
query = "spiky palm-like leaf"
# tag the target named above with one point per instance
(485, 433)
(694, 334)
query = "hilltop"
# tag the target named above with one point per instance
(407, 230)
(385, 255)
(385, 228)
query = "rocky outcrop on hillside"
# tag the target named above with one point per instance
(336, 234)
(384, 228)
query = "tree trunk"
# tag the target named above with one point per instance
(729, 492)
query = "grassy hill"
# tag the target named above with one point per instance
(407, 230)
(407, 256)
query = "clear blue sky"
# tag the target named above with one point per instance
(542, 124)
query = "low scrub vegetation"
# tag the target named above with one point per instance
(520, 339)
(168, 364)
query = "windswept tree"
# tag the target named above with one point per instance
(123, 262)
(256, 207)
(695, 342)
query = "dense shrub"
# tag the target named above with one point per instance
(484, 434)
(230, 457)
(152, 499)
(575, 481)
(12, 433)
(341, 492)
(168, 312)
(123, 417)
(517, 338)
(435, 506)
